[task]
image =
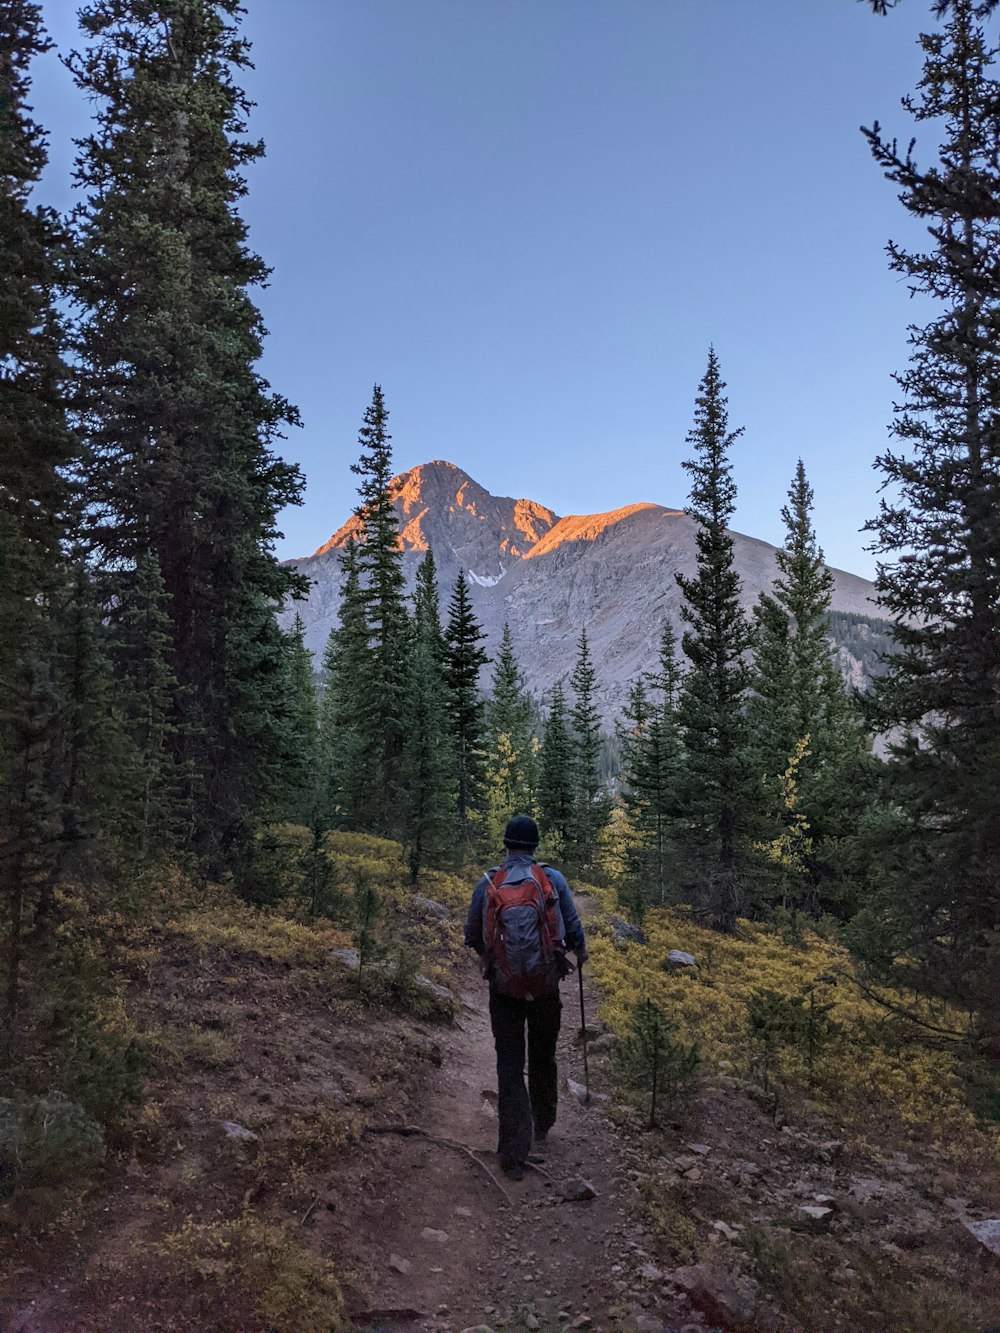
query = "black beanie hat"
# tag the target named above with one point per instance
(521, 831)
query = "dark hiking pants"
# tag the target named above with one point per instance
(520, 1110)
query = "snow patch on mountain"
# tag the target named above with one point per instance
(487, 580)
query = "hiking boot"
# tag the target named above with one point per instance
(514, 1171)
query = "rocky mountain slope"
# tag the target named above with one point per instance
(550, 577)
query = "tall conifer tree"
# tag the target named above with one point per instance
(590, 802)
(797, 687)
(651, 769)
(799, 702)
(348, 743)
(937, 528)
(300, 801)
(383, 590)
(179, 424)
(151, 818)
(715, 642)
(34, 446)
(463, 659)
(428, 764)
(556, 783)
(511, 762)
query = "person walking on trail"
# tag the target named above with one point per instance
(522, 920)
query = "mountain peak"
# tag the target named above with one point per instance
(439, 506)
(613, 574)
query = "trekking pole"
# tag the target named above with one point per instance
(583, 1034)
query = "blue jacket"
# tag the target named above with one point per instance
(570, 916)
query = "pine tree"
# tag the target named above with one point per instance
(90, 750)
(715, 643)
(380, 567)
(319, 883)
(34, 442)
(299, 799)
(798, 693)
(590, 803)
(937, 528)
(651, 769)
(150, 816)
(652, 1061)
(797, 687)
(463, 660)
(368, 906)
(348, 742)
(34, 447)
(28, 824)
(178, 423)
(556, 783)
(511, 777)
(428, 764)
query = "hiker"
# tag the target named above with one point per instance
(521, 921)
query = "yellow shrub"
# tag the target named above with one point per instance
(245, 929)
(191, 1044)
(872, 1072)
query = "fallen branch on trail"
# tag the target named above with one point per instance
(415, 1132)
(540, 1170)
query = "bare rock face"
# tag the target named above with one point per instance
(549, 577)
(441, 508)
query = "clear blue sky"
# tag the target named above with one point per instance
(527, 219)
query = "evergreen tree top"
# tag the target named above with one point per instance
(464, 632)
(374, 467)
(713, 491)
(175, 58)
(806, 585)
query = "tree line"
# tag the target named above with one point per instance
(744, 760)
(153, 711)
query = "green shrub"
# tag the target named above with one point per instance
(46, 1141)
(650, 1060)
(102, 1065)
(255, 1268)
(797, 1025)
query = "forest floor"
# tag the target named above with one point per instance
(256, 1191)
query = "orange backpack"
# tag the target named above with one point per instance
(523, 933)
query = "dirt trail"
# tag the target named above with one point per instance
(542, 1263)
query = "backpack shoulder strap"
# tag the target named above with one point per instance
(538, 874)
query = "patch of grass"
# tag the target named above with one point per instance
(186, 1044)
(250, 1268)
(666, 1209)
(249, 930)
(322, 1135)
